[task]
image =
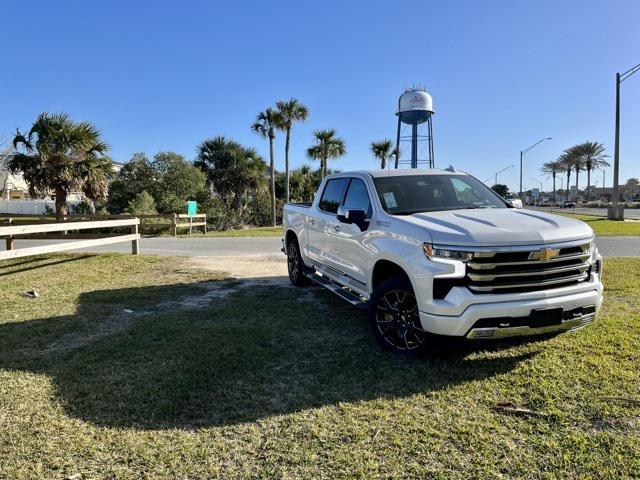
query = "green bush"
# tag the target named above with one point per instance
(142, 204)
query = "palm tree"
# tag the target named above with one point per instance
(62, 156)
(552, 169)
(265, 126)
(327, 146)
(290, 112)
(233, 171)
(383, 151)
(576, 160)
(593, 157)
(566, 165)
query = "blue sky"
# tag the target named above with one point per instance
(165, 75)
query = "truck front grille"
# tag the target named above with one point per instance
(530, 270)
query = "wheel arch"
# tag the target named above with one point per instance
(289, 236)
(384, 269)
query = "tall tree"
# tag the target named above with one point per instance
(577, 160)
(290, 112)
(552, 169)
(62, 156)
(233, 171)
(326, 146)
(178, 180)
(593, 158)
(136, 176)
(501, 189)
(383, 151)
(265, 126)
(566, 165)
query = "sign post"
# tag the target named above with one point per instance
(192, 211)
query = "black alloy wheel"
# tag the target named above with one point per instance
(295, 265)
(394, 318)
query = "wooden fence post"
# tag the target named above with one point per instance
(135, 244)
(175, 225)
(205, 223)
(10, 237)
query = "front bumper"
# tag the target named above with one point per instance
(505, 330)
(465, 323)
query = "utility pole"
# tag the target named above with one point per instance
(615, 211)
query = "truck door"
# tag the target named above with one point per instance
(351, 254)
(322, 220)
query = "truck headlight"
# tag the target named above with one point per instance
(432, 252)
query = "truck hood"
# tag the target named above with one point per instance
(499, 227)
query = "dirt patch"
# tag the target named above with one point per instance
(260, 267)
(244, 272)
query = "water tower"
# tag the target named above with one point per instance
(415, 130)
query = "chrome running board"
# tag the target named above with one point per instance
(354, 299)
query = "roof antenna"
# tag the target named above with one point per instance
(450, 169)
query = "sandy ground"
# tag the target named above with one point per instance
(268, 267)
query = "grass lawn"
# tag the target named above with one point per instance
(606, 228)
(245, 232)
(205, 378)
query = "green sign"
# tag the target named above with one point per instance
(192, 208)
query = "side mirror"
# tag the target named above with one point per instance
(516, 202)
(356, 216)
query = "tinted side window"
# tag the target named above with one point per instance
(333, 194)
(358, 197)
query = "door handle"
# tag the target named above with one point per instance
(312, 221)
(337, 228)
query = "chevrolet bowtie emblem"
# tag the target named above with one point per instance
(544, 254)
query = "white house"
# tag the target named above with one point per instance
(12, 187)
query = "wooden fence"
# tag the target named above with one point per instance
(148, 223)
(11, 231)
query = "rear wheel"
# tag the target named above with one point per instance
(295, 265)
(394, 318)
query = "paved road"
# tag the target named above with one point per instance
(629, 213)
(217, 246)
(203, 246)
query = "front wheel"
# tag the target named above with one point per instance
(394, 319)
(295, 265)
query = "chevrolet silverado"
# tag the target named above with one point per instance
(436, 252)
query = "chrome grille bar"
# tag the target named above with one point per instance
(561, 258)
(512, 285)
(487, 277)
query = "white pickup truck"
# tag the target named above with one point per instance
(431, 252)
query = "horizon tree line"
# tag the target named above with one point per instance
(61, 156)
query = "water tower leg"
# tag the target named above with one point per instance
(432, 160)
(398, 143)
(414, 145)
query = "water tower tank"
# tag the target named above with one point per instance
(415, 106)
(415, 131)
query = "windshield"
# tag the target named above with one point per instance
(402, 195)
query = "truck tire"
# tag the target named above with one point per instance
(295, 265)
(394, 319)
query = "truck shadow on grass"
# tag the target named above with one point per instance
(247, 352)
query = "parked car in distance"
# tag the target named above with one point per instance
(515, 202)
(568, 204)
(431, 252)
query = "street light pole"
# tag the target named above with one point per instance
(503, 170)
(616, 212)
(522, 153)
